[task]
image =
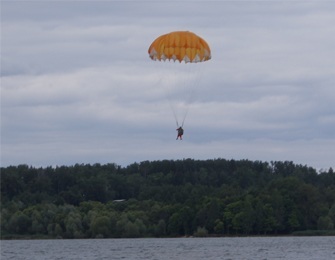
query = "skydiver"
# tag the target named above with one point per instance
(180, 133)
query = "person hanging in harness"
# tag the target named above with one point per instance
(180, 133)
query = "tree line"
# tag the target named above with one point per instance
(166, 198)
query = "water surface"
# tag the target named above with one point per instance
(318, 248)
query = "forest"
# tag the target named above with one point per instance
(167, 198)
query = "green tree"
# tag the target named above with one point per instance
(325, 223)
(219, 227)
(100, 226)
(176, 224)
(73, 225)
(332, 214)
(232, 216)
(248, 215)
(58, 230)
(131, 230)
(201, 232)
(160, 228)
(293, 221)
(166, 198)
(19, 223)
(120, 226)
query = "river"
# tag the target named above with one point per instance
(260, 248)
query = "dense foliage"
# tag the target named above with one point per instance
(166, 198)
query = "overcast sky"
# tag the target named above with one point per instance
(78, 86)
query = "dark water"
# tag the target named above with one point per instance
(318, 248)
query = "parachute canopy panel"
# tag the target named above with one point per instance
(180, 45)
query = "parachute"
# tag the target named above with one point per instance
(183, 47)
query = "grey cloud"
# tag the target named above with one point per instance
(78, 85)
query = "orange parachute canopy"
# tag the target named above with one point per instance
(182, 46)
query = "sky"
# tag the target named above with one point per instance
(78, 86)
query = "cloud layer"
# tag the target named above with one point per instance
(77, 85)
